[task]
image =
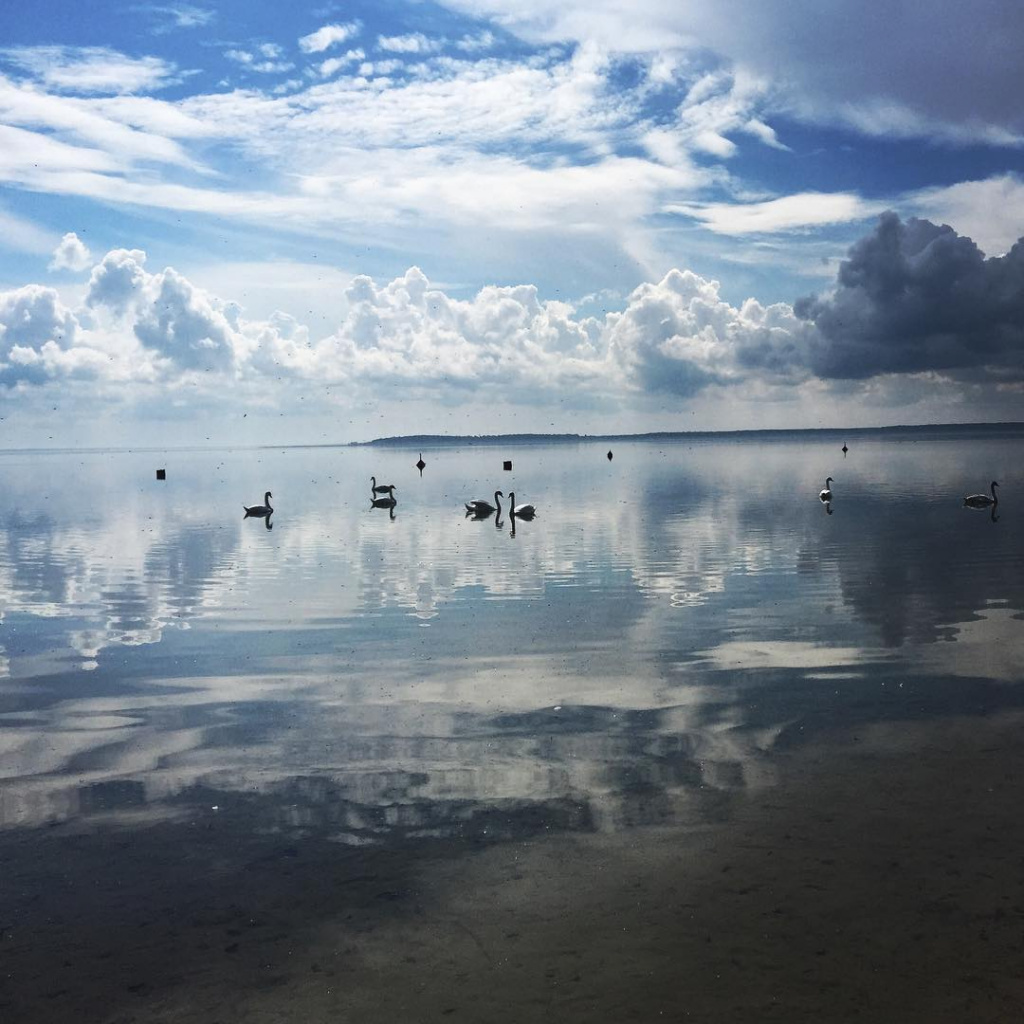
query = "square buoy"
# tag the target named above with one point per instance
(507, 464)
(161, 474)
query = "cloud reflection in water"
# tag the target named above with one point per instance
(631, 659)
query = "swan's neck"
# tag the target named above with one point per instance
(266, 499)
(497, 501)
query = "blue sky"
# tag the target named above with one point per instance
(265, 222)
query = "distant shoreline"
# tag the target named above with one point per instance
(449, 440)
(426, 442)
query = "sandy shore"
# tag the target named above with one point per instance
(881, 879)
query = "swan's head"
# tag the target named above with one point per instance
(995, 483)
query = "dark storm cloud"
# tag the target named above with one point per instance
(914, 296)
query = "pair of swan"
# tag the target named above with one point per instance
(480, 507)
(972, 500)
(983, 500)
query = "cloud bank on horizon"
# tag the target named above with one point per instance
(914, 305)
(596, 191)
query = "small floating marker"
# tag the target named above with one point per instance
(609, 455)
(845, 449)
(161, 474)
(420, 464)
(507, 465)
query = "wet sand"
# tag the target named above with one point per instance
(881, 879)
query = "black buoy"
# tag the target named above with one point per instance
(845, 449)
(507, 465)
(161, 474)
(609, 456)
(420, 464)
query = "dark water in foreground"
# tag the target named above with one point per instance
(205, 722)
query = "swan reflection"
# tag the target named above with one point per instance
(388, 503)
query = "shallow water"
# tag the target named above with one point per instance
(648, 650)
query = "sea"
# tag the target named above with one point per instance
(689, 743)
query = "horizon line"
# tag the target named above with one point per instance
(553, 436)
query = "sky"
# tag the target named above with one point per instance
(264, 223)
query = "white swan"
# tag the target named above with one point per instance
(983, 500)
(479, 507)
(826, 494)
(382, 488)
(519, 511)
(260, 510)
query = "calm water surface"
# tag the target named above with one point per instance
(667, 619)
(671, 623)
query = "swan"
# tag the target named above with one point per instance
(826, 494)
(260, 510)
(382, 488)
(479, 507)
(519, 511)
(983, 500)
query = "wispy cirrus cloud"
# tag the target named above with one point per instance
(784, 214)
(20, 235)
(414, 42)
(329, 35)
(72, 121)
(865, 67)
(91, 70)
(334, 64)
(265, 59)
(169, 17)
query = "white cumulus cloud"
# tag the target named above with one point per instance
(71, 254)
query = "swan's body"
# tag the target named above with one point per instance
(519, 511)
(382, 488)
(826, 494)
(260, 510)
(983, 500)
(479, 507)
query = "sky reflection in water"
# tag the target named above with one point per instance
(635, 654)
